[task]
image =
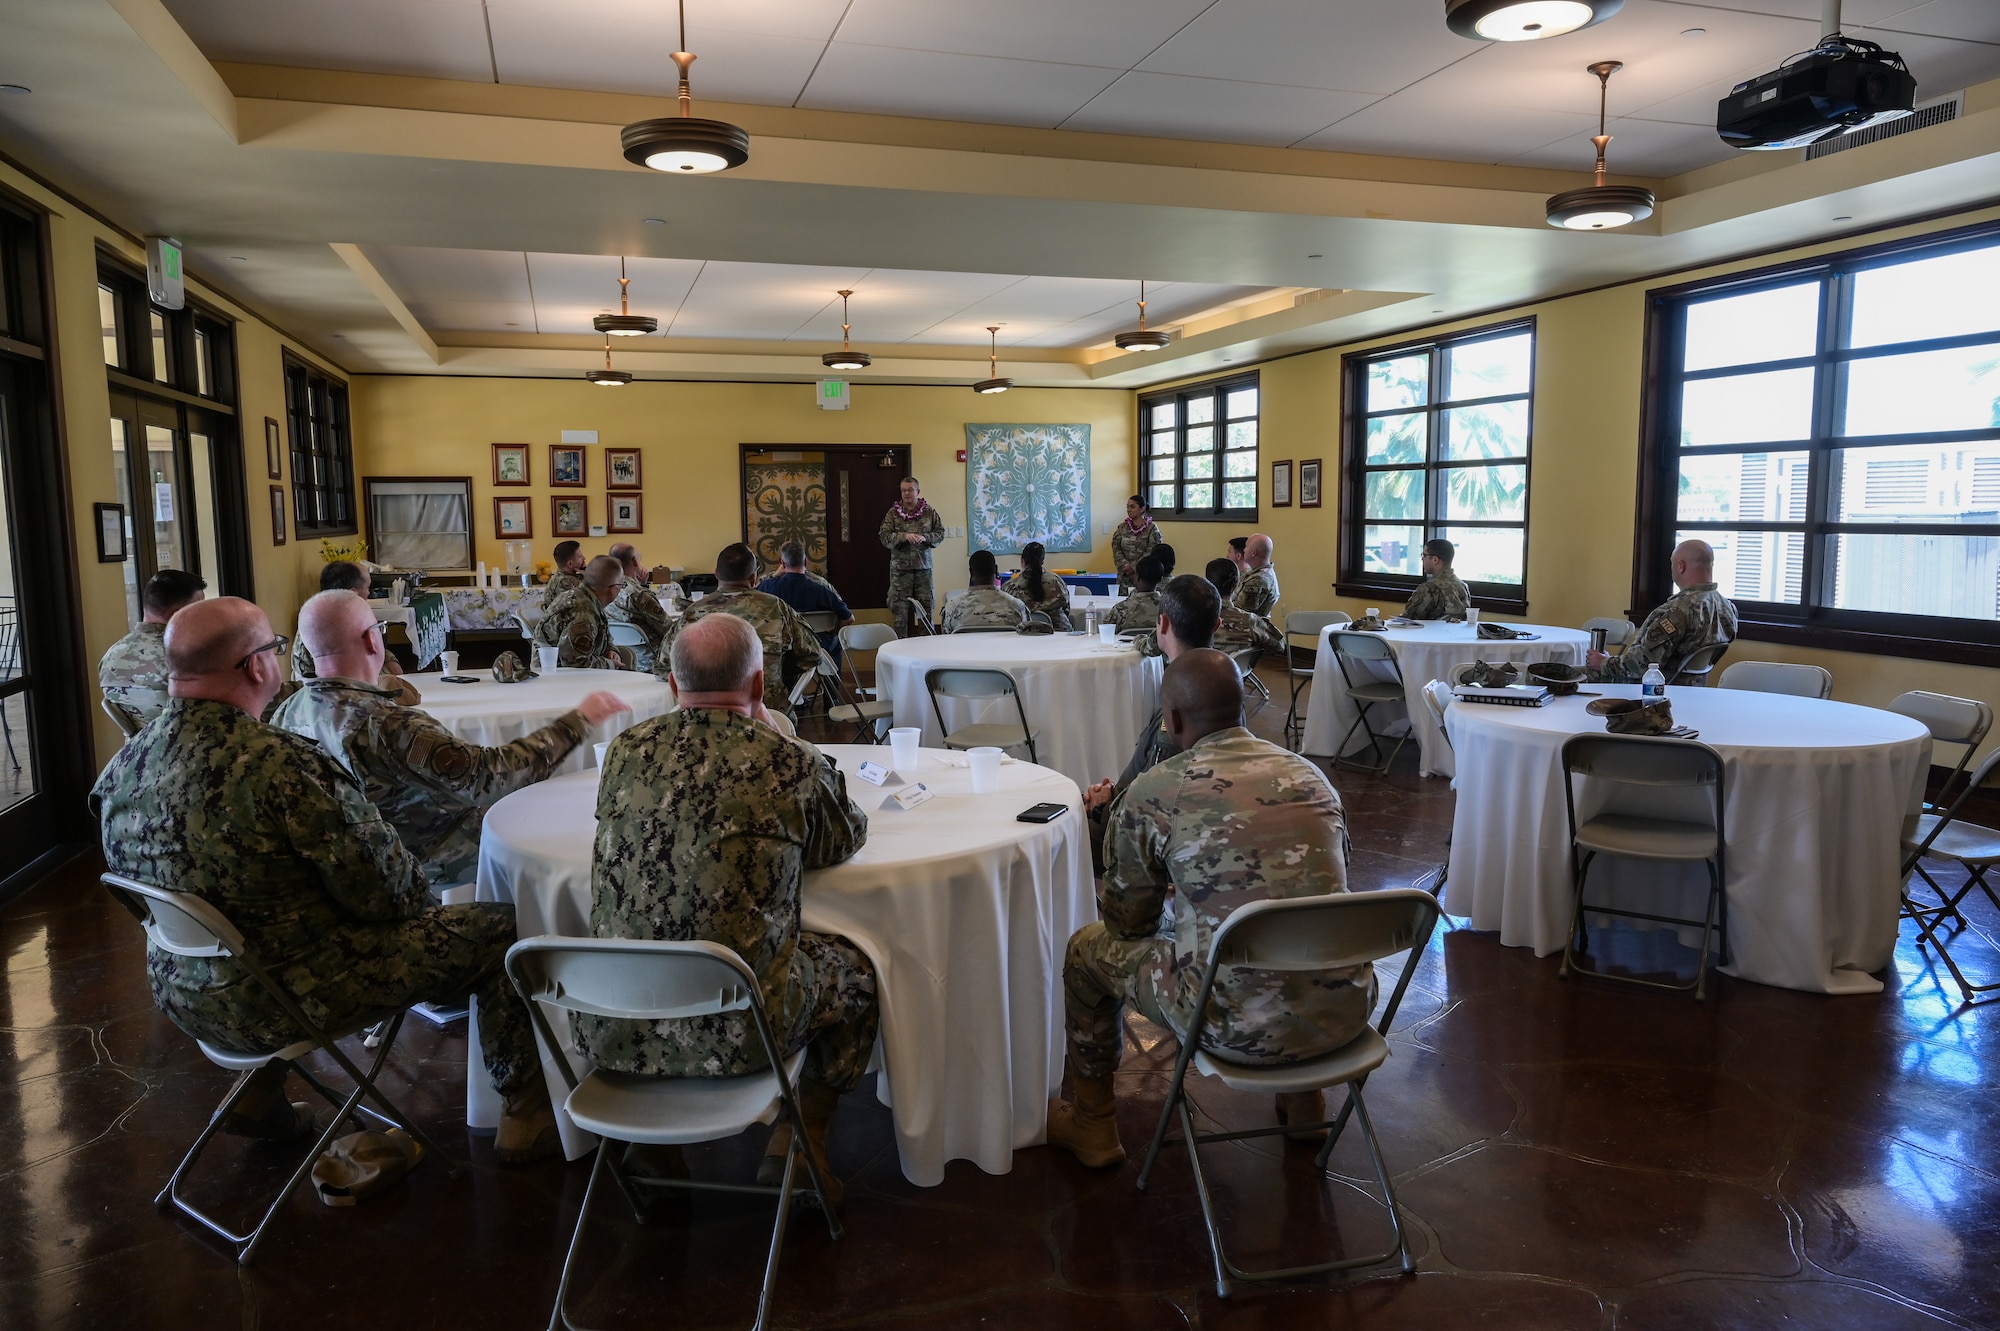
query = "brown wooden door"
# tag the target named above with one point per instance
(859, 490)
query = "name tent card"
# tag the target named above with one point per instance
(874, 774)
(911, 798)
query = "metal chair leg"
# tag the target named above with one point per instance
(559, 1316)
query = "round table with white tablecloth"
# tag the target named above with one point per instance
(964, 910)
(489, 712)
(1815, 793)
(1087, 701)
(1424, 652)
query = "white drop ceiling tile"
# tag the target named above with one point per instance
(1965, 20)
(1941, 66)
(756, 300)
(1430, 126)
(1638, 148)
(484, 290)
(1373, 46)
(1116, 33)
(951, 87)
(572, 289)
(893, 305)
(434, 38)
(1226, 110)
(625, 47)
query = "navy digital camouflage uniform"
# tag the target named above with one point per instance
(133, 673)
(559, 585)
(266, 827)
(432, 788)
(1692, 618)
(909, 563)
(1258, 591)
(1128, 547)
(706, 823)
(983, 608)
(1234, 819)
(790, 648)
(1054, 601)
(575, 624)
(1442, 596)
(639, 605)
(1136, 613)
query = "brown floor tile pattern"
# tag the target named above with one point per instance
(1569, 1155)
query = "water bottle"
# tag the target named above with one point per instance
(1654, 685)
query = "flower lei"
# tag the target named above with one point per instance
(1139, 524)
(913, 514)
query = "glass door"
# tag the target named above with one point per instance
(18, 781)
(166, 475)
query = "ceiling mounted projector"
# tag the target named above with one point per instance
(1524, 20)
(1839, 85)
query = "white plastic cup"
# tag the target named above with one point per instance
(1107, 633)
(1374, 612)
(985, 770)
(903, 741)
(548, 656)
(1472, 615)
(449, 662)
(599, 749)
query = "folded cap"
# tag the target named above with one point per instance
(509, 668)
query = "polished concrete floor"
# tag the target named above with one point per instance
(1569, 1155)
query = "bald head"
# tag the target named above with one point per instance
(718, 656)
(627, 556)
(1257, 550)
(332, 622)
(604, 578)
(1694, 563)
(1201, 693)
(206, 641)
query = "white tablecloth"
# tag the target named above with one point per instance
(1088, 702)
(491, 713)
(964, 911)
(1815, 794)
(1423, 654)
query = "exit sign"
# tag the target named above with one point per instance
(833, 395)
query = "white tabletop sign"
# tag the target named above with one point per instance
(909, 799)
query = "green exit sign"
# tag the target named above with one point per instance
(833, 395)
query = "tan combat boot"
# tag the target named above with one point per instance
(1087, 1126)
(771, 1169)
(527, 1126)
(817, 1101)
(1303, 1107)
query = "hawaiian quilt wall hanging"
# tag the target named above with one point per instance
(785, 501)
(1027, 483)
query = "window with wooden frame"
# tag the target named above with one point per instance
(1198, 450)
(1436, 446)
(322, 451)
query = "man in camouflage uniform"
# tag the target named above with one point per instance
(1698, 615)
(344, 575)
(1141, 610)
(1239, 631)
(911, 529)
(269, 829)
(1132, 541)
(707, 818)
(984, 605)
(790, 649)
(1441, 595)
(575, 623)
(568, 577)
(433, 789)
(133, 674)
(638, 605)
(1230, 820)
(1258, 591)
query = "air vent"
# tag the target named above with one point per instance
(1930, 113)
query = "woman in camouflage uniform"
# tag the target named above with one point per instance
(1039, 591)
(1133, 541)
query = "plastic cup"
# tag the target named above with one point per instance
(548, 656)
(1472, 616)
(599, 749)
(449, 661)
(985, 770)
(903, 742)
(1107, 633)
(1374, 612)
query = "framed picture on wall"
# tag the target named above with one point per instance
(510, 464)
(570, 515)
(277, 515)
(566, 468)
(621, 469)
(274, 449)
(110, 533)
(626, 515)
(1281, 484)
(1309, 483)
(513, 519)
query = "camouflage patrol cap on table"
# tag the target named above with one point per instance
(1634, 716)
(509, 668)
(1559, 678)
(1492, 676)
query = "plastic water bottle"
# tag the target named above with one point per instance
(1654, 685)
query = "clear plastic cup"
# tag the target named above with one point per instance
(599, 749)
(448, 662)
(985, 770)
(903, 741)
(548, 656)
(1107, 633)
(1472, 615)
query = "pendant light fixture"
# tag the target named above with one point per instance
(1600, 207)
(685, 144)
(995, 384)
(1524, 20)
(625, 323)
(847, 358)
(608, 377)
(1145, 339)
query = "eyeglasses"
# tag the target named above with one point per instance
(277, 644)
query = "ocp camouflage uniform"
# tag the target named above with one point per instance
(388, 680)
(706, 822)
(1136, 613)
(576, 625)
(790, 648)
(983, 608)
(1235, 819)
(133, 673)
(559, 585)
(1054, 601)
(1258, 591)
(910, 565)
(639, 606)
(432, 788)
(1442, 596)
(1128, 547)
(1239, 631)
(1693, 618)
(268, 828)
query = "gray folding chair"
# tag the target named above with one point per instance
(1957, 721)
(1800, 681)
(979, 686)
(525, 625)
(1645, 767)
(820, 621)
(187, 926)
(864, 714)
(1617, 631)
(1320, 933)
(920, 618)
(863, 638)
(1438, 698)
(1306, 624)
(1947, 836)
(123, 717)
(627, 635)
(1041, 617)
(1694, 668)
(640, 979)
(1357, 654)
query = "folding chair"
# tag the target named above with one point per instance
(863, 638)
(1960, 721)
(647, 980)
(1301, 934)
(820, 621)
(525, 625)
(187, 926)
(1801, 681)
(1973, 848)
(1306, 624)
(627, 635)
(919, 617)
(980, 685)
(123, 717)
(1694, 668)
(1041, 617)
(1617, 631)
(1437, 698)
(1356, 653)
(865, 715)
(1645, 766)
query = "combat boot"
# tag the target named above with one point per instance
(771, 1169)
(1303, 1107)
(527, 1125)
(817, 1101)
(1087, 1126)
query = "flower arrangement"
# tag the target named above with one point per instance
(354, 551)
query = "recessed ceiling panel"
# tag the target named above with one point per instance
(572, 289)
(1373, 46)
(625, 46)
(486, 290)
(1115, 33)
(1171, 106)
(443, 39)
(1408, 125)
(1638, 147)
(957, 87)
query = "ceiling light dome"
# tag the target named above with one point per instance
(685, 144)
(994, 384)
(608, 377)
(1598, 206)
(625, 323)
(847, 358)
(1144, 339)
(1524, 20)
